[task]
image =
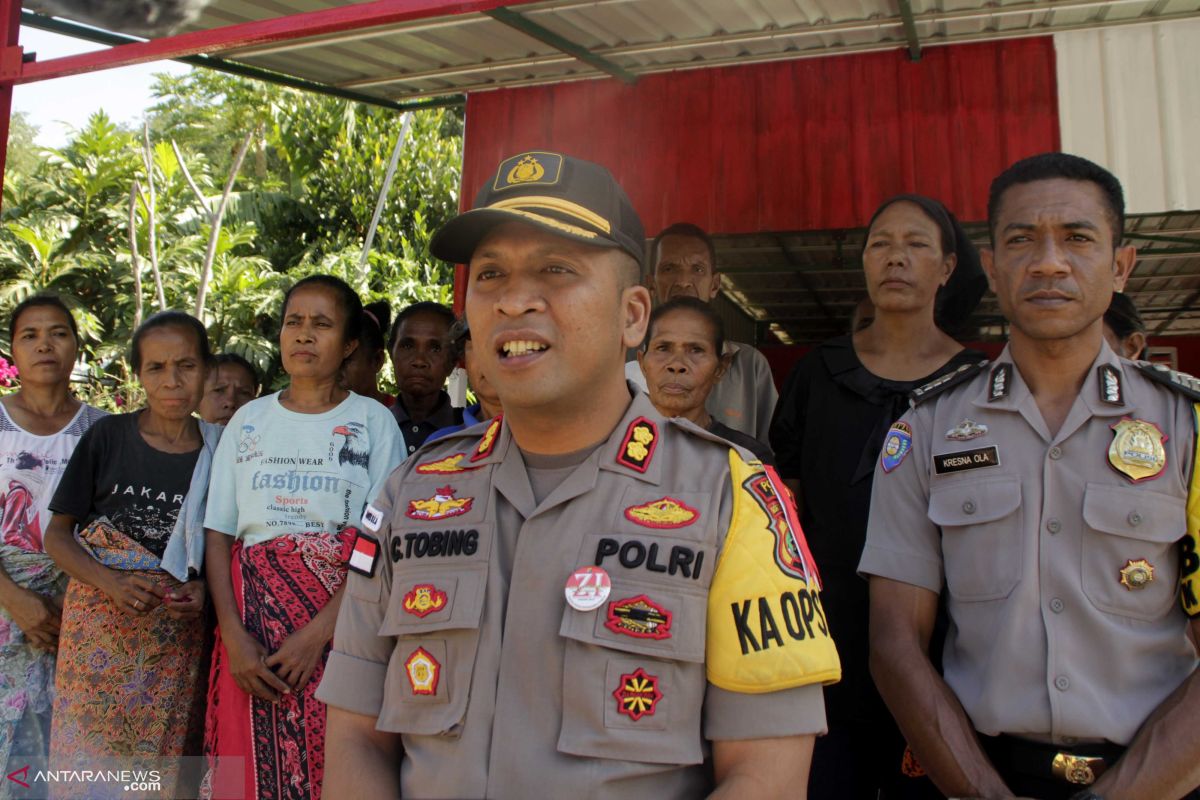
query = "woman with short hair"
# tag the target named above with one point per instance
(129, 682)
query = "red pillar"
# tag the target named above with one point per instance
(10, 68)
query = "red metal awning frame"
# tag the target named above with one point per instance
(15, 70)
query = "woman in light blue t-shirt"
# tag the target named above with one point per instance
(290, 478)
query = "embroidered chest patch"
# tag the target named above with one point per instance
(638, 694)
(666, 512)
(639, 617)
(442, 505)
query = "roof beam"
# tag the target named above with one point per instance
(29, 19)
(355, 16)
(544, 35)
(910, 30)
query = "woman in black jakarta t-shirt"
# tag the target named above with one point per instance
(923, 277)
(129, 678)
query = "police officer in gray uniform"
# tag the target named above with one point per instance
(581, 598)
(1052, 495)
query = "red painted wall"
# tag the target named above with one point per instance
(794, 145)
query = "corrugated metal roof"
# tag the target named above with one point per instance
(475, 52)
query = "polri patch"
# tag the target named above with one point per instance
(638, 694)
(364, 555)
(945, 463)
(639, 617)
(896, 446)
(637, 448)
(424, 599)
(442, 505)
(372, 518)
(791, 550)
(666, 512)
(423, 671)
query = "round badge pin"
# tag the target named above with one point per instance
(588, 588)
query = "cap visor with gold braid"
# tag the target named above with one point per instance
(562, 195)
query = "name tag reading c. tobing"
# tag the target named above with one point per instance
(944, 463)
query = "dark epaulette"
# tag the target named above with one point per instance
(700, 433)
(1179, 381)
(948, 381)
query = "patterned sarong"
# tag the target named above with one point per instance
(26, 673)
(280, 585)
(126, 686)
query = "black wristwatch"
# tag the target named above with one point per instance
(1086, 794)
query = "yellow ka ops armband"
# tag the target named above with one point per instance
(766, 627)
(1189, 570)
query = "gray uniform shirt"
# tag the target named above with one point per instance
(744, 399)
(1032, 535)
(463, 641)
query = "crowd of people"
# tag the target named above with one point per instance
(631, 568)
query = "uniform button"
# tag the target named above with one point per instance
(411, 448)
(1134, 518)
(1062, 683)
(416, 429)
(969, 507)
(1056, 452)
(1057, 605)
(1054, 526)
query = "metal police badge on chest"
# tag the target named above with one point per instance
(896, 445)
(1137, 450)
(1137, 574)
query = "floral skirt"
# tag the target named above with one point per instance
(127, 687)
(267, 750)
(26, 673)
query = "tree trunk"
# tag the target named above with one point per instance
(214, 232)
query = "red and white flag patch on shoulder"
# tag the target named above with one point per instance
(364, 555)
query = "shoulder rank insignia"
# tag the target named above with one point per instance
(1137, 450)
(488, 442)
(951, 379)
(445, 465)
(1179, 381)
(666, 512)
(1000, 382)
(637, 448)
(1110, 385)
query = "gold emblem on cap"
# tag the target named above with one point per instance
(1137, 574)
(1137, 450)
(527, 170)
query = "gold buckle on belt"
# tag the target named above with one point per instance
(1082, 770)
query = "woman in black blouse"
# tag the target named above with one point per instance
(924, 279)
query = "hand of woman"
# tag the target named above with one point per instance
(133, 594)
(185, 601)
(297, 659)
(247, 664)
(37, 616)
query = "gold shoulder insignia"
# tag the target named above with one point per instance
(637, 448)
(445, 465)
(488, 442)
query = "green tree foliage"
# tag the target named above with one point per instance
(301, 204)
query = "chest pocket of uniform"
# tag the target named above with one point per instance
(633, 675)
(981, 538)
(1130, 558)
(434, 612)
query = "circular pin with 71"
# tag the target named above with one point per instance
(588, 588)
